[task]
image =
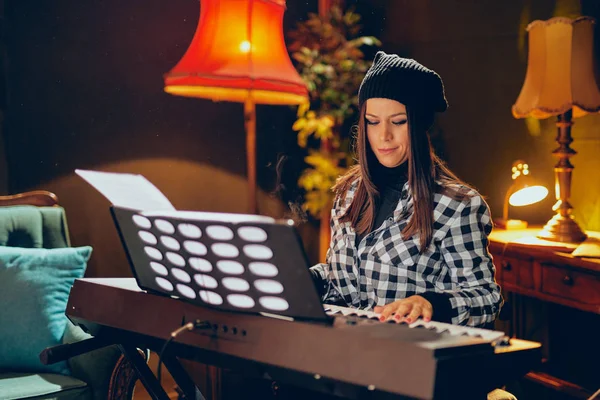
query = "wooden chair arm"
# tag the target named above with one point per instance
(39, 198)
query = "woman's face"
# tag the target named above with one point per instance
(387, 131)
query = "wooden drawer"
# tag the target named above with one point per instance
(572, 285)
(515, 271)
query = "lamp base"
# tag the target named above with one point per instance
(562, 229)
(511, 224)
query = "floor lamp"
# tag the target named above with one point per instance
(560, 82)
(238, 54)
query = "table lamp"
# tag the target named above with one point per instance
(523, 191)
(238, 54)
(560, 82)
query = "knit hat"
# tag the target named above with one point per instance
(403, 80)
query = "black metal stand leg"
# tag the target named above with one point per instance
(61, 352)
(145, 375)
(182, 378)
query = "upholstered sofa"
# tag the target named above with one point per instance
(100, 374)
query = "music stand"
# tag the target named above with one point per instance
(233, 262)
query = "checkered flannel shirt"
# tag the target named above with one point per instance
(385, 268)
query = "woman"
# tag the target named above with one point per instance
(409, 239)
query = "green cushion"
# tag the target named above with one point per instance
(54, 227)
(41, 386)
(30, 226)
(34, 289)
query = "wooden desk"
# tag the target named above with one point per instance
(553, 297)
(546, 270)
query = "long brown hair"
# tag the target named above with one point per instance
(425, 169)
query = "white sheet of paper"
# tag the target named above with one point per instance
(211, 216)
(127, 190)
(589, 248)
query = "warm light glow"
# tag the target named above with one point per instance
(245, 46)
(519, 168)
(236, 95)
(513, 224)
(238, 49)
(523, 191)
(560, 70)
(528, 195)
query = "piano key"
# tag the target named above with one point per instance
(439, 327)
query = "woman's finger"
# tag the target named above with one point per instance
(427, 313)
(415, 313)
(387, 312)
(403, 308)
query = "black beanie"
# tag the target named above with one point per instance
(404, 80)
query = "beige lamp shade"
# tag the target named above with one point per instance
(560, 74)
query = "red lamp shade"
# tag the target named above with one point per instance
(238, 50)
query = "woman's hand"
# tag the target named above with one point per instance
(412, 308)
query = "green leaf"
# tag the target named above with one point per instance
(328, 57)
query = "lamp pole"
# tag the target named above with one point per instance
(562, 226)
(250, 126)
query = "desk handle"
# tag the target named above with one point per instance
(506, 265)
(568, 280)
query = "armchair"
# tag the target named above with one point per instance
(35, 220)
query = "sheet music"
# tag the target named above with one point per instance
(127, 190)
(211, 216)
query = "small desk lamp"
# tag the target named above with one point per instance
(560, 82)
(523, 192)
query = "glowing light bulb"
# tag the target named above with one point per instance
(245, 46)
(528, 195)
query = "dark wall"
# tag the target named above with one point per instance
(479, 47)
(3, 98)
(85, 90)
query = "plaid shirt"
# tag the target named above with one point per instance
(385, 268)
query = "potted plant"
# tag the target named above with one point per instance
(328, 55)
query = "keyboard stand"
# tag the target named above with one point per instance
(135, 357)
